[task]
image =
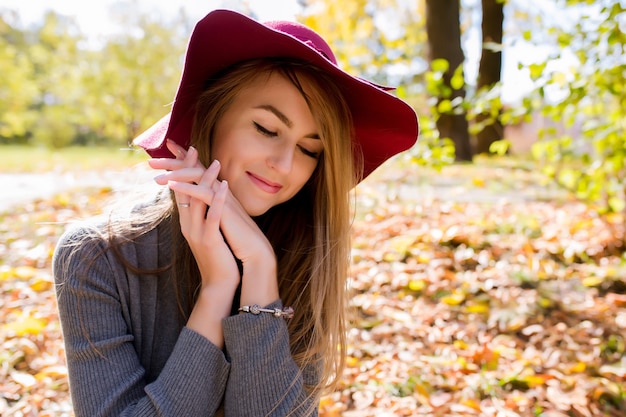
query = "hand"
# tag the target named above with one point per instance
(246, 240)
(200, 224)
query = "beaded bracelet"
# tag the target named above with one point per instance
(255, 309)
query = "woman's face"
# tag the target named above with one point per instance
(267, 143)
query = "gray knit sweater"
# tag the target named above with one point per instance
(129, 354)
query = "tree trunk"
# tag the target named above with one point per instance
(444, 41)
(489, 71)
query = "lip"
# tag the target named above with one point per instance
(264, 184)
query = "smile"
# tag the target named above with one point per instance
(264, 184)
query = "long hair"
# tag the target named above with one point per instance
(310, 232)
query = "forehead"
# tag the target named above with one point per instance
(276, 87)
(280, 78)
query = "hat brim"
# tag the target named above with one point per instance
(384, 125)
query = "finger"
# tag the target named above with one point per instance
(214, 214)
(182, 158)
(190, 160)
(190, 175)
(199, 205)
(210, 175)
(178, 151)
(171, 164)
(168, 164)
(202, 191)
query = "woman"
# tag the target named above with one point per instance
(227, 293)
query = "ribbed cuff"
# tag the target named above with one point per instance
(196, 374)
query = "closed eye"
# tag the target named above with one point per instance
(264, 131)
(314, 155)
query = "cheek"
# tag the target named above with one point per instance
(305, 172)
(225, 150)
(217, 149)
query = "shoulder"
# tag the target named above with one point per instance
(106, 245)
(79, 243)
(122, 225)
(80, 237)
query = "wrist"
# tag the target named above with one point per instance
(259, 283)
(212, 305)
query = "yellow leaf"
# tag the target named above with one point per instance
(391, 257)
(460, 344)
(614, 218)
(534, 381)
(423, 258)
(477, 308)
(63, 200)
(24, 272)
(592, 281)
(468, 402)
(478, 182)
(352, 362)
(5, 274)
(402, 244)
(26, 325)
(52, 372)
(417, 285)
(453, 299)
(577, 368)
(422, 391)
(41, 284)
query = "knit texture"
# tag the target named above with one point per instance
(129, 354)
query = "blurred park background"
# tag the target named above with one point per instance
(489, 265)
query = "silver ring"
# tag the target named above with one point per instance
(184, 205)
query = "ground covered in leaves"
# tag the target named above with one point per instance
(462, 306)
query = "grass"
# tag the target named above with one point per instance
(22, 158)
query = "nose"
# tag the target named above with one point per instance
(281, 159)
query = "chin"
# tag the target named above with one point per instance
(256, 211)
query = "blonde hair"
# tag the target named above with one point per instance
(309, 233)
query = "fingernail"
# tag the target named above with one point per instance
(215, 163)
(159, 177)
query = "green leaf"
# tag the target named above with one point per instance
(536, 70)
(444, 106)
(617, 205)
(500, 147)
(457, 81)
(440, 65)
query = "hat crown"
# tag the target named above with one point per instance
(305, 35)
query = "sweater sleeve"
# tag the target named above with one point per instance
(264, 379)
(105, 372)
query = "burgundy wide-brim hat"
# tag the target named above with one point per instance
(384, 125)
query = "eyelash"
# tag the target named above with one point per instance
(264, 131)
(307, 152)
(271, 134)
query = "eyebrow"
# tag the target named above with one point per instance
(281, 116)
